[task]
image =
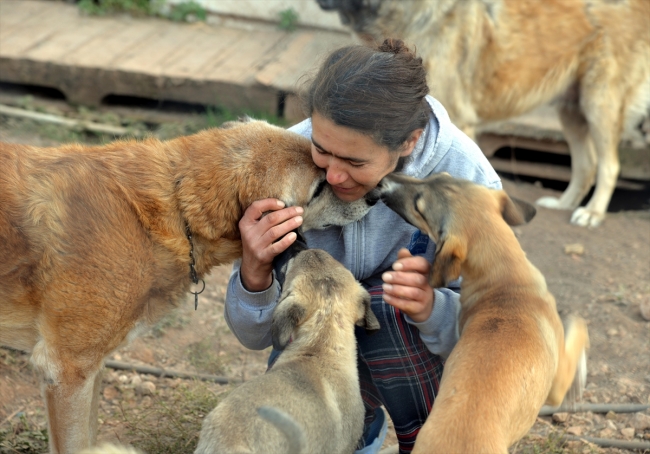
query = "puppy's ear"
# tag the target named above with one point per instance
(369, 320)
(287, 316)
(515, 211)
(450, 254)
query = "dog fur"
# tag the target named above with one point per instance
(310, 400)
(513, 354)
(95, 250)
(489, 60)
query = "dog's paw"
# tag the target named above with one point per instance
(587, 218)
(550, 202)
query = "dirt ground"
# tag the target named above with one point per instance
(606, 283)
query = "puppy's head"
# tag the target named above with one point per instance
(319, 294)
(453, 212)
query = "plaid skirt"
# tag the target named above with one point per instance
(397, 370)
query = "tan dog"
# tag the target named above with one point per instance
(512, 355)
(309, 401)
(96, 246)
(490, 60)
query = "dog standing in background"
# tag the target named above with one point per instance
(310, 400)
(98, 243)
(489, 60)
(513, 354)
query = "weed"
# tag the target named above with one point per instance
(26, 436)
(288, 19)
(187, 12)
(171, 424)
(174, 320)
(106, 7)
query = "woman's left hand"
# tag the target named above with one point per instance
(407, 287)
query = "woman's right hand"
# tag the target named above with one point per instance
(264, 237)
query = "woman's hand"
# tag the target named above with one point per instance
(264, 237)
(407, 287)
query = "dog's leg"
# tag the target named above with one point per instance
(72, 413)
(605, 124)
(583, 160)
(572, 364)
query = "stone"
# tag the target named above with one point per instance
(146, 388)
(641, 422)
(574, 430)
(560, 417)
(628, 433)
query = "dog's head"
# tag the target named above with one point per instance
(453, 212)
(319, 294)
(273, 162)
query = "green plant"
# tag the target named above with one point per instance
(187, 11)
(104, 7)
(205, 358)
(288, 19)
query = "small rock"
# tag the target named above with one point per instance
(610, 415)
(123, 378)
(146, 388)
(612, 332)
(641, 421)
(606, 433)
(644, 307)
(560, 417)
(110, 393)
(628, 433)
(574, 249)
(146, 401)
(575, 430)
(136, 380)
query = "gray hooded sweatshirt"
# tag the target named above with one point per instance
(369, 247)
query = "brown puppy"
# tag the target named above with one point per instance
(489, 60)
(512, 355)
(95, 243)
(309, 401)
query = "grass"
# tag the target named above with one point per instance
(27, 435)
(204, 356)
(181, 12)
(171, 424)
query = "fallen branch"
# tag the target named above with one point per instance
(169, 373)
(611, 443)
(68, 122)
(594, 408)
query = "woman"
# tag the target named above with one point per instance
(369, 115)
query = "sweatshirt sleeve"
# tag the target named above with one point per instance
(440, 331)
(249, 314)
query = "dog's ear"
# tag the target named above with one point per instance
(450, 255)
(369, 320)
(287, 316)
(515, 211)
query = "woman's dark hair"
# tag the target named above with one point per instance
(377, 91)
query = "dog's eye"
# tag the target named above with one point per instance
(319, 189)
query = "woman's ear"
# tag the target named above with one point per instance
(409, 145)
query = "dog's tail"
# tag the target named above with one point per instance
(288, 426)
(576, 340)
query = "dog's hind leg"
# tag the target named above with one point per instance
(583, 159)
(571, 372)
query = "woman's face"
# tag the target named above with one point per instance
(353, 161)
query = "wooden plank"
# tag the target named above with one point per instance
(16, 14)
(104, 50)
(37, 32)
(204, 49)
(151, 56)
(241, 62)
(67, 41)
(303, 53)
(547, 171)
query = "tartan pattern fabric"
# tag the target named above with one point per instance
(398, 371)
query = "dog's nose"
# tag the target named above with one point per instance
(373, 196)
(281, 261)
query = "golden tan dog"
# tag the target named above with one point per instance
(310, 400)
(95, 243)
(490, 60)
(512, 355)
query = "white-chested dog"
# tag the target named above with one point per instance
(309, 401)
